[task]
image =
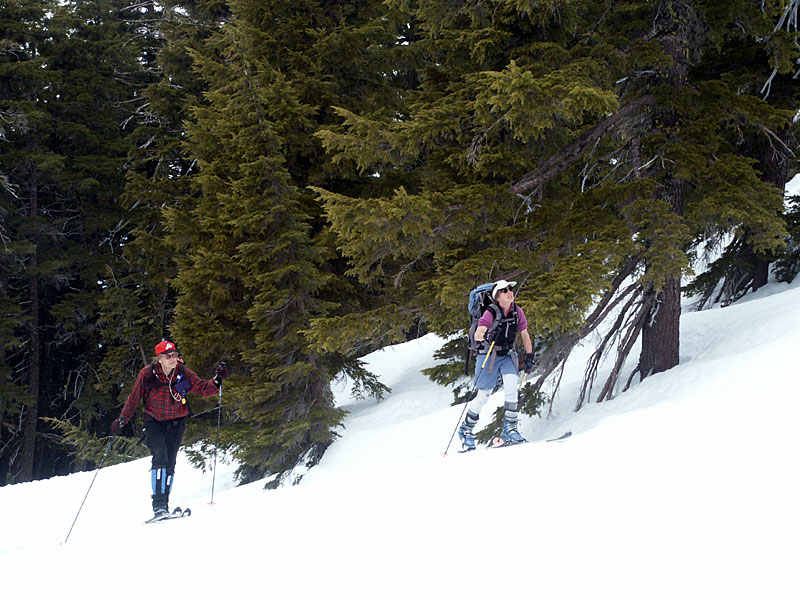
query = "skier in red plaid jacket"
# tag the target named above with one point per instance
(162, 387)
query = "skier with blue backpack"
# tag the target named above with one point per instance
(496, 321)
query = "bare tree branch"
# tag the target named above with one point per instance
(555, 357)
(560, 162)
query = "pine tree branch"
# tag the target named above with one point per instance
(561, 161)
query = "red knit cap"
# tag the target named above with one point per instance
(164, 347)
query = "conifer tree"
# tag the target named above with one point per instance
(618, 154)
(255, 264)
(499, 90)
(68, 70)
(745, 63)
(703, 180)
(21, 36)
(139, 298)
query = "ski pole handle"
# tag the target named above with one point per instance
(488, 353)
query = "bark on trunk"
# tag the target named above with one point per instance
(774, 163)
(675, 26)
(28, 454)
(661, 333)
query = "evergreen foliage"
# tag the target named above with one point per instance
(138, 303)
(255, 262)
(765, 135)
(288, 186)
(787, 265)
(91, 449)
(499, 90)
(620, 153)
(67, 72)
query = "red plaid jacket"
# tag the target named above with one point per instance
(163, 396)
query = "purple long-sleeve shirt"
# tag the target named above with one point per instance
(487, 319)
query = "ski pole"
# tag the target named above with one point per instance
(90, 487)
(216, 445)
(474, 387)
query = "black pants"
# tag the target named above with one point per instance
(163, 438)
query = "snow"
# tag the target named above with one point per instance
(793, 186)
(685, 486)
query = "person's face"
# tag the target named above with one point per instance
(168, 361)
(505, 296)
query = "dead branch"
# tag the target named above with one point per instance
(774, 137)
(625, 347)
(555, 357)
(561, 161)
(601, 351)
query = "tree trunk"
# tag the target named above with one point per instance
(676, 27)
(760, 274)
(26, 470)
(774, 164)
(661, 333)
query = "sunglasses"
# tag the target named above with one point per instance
(172, 355)
(504, 290)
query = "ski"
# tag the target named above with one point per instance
(177, 513)
(499, 443)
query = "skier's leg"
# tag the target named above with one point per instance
(465, 433)
(510, 414)
(173, 437)
(155, 439)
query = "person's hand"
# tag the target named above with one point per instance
(117, 425)
(528, 366)
(222, 373)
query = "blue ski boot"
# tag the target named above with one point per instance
(465, 432)
(510, 434)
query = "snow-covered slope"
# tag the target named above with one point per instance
(682, 487)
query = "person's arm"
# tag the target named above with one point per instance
(201, 387)
(134, 398)
(522, 327)
(487, 318)
(131, 404)
(526, 341)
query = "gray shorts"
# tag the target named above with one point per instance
(486, 378)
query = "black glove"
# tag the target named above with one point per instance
(117, 425)
(528, 366)
(222, 373)
(488, 337)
